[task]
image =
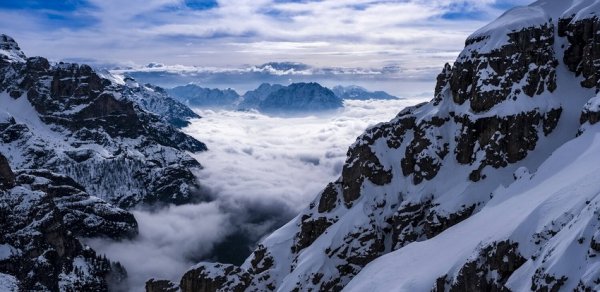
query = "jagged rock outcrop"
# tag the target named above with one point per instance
(10, 50)
(582, 55)
(214, 277)
(69, 119)
(41, 216)
(7, 177)
(161, 286)
(488, 187)
(488, 272)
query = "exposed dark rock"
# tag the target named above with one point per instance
(408, 223)
(328, 199)
(442, 82)
(591, 112)
(501, 259)
(504, 140)
(214, 277)
(261, 260)
(310, 230)
(547, 283)
(11, 47)
(595, 242)
(361, 164)
(83, 215)
(436, 223)
(7, 177)
(582, 56)
(153, 285)
(416, 222)
(423, 157)
(487, 79)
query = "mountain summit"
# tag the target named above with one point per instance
(9, 50)
(490, 186)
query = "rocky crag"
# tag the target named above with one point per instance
(114, 138)
(77, 146)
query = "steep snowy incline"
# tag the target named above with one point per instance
(549, 219)
(523, 87)
(110, 137)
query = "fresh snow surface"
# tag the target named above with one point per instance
(534, 15)
(8, 283)
(562, 185)
(6, 251)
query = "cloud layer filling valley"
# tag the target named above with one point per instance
(260, 170)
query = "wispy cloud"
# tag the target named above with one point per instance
(341, 33)
(261, 171)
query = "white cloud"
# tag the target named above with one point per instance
(286, 160)
(261, 170)
(346, 33)
(168, 240)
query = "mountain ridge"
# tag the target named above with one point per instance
(197, 96)
(72, 120)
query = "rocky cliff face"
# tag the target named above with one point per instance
(69, 119)
(41, 215)
(461, 193)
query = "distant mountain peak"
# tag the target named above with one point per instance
(285, 66)
(10, 50)
(301, 97)
(359, 93)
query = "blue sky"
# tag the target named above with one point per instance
(411, 34)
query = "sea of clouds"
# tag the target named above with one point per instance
(260, 171)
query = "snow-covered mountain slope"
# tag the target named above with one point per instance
(69, 119)
(359, 93)
(488, 187)
(41, 214)
(156, 100)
